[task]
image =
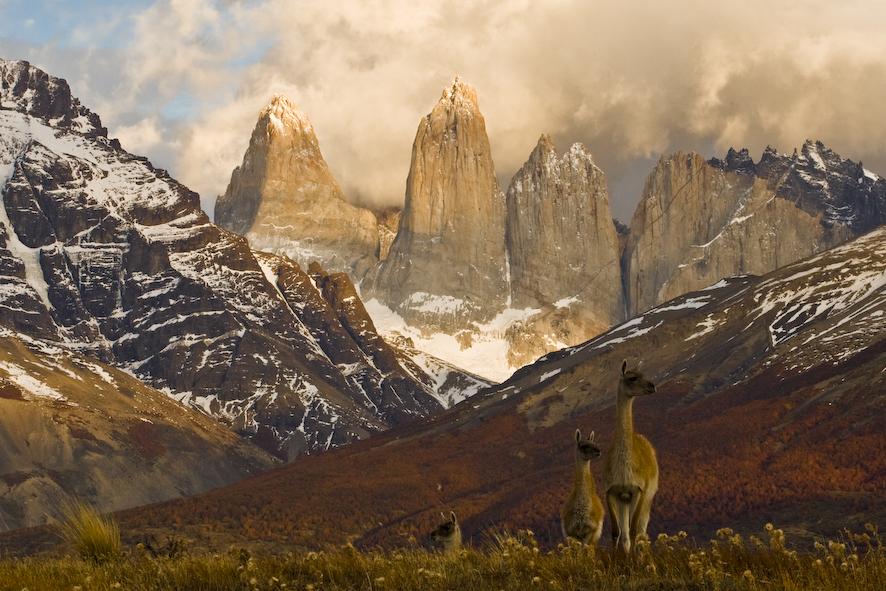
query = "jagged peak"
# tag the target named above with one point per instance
(30, 90)
(283, 114)
(579, 150)
(460, 96)
(665, 160)
(544, 157)
(546, 143)
(544, 151)
(740, 161)
(281, 103)
(816, 152)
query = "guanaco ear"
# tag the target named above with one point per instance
(592, 435)
(452, 517)
(624, 366)
(577, 435)
(443, 517)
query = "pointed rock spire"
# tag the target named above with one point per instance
(562, 242)
(450, 248)
(284, 198)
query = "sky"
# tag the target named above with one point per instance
(183, 81)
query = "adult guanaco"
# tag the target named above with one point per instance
(631, 468)
(582, 515)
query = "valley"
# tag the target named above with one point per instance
(241, 381)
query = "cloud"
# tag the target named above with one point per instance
(632, 80)
(142, 137)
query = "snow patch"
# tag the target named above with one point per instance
(566, 302)
(428, 303)
(717, 285)
(548, 375)
(688, 304)
(28, 383)
(29, 256)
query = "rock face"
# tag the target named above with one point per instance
(700, 221)
(448, 265)
(32, 90)
(75, 427)
(495, 282)
(284, 198)
(329, 307)
(104, 254)
(388, 225)
(563, 246)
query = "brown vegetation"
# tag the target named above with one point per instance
(856, 562)
(779, 457)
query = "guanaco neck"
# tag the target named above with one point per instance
(583, 480)
(624, 427)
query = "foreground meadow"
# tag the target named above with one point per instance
(856, 561)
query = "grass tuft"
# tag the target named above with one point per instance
(93, 537)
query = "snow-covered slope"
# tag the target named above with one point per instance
(483, 350)
(102, 253)
(816, 313)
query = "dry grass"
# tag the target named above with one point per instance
(856, 562)
(93, 537)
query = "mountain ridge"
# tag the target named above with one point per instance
(554, 269)
(105, 254)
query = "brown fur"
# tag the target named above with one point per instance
(631, 466)
(582, 515)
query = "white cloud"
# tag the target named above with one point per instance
(630, 79)
(141, 137)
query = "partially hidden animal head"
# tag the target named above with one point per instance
(587, 449)
(447, 535)
(633, 383)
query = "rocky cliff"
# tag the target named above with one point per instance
(388, 226)
(104, 254)
(699, 221)
(447, 266)
(563, 251)
(284, 198)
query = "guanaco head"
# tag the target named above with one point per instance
(447, 535)
(586, 449)
(633, 383)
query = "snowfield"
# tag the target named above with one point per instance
(487, 354)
